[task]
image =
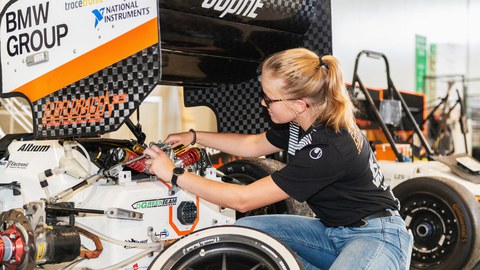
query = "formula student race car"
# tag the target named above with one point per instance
(439, 195)
(100, 210)
(70, 199)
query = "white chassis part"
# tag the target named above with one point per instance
(397, 172)
(149, 197)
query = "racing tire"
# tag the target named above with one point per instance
(246, 171)
(444, 218)
(227, 247)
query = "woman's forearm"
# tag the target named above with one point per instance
(244, 145)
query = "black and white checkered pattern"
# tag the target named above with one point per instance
(301, 12)
(237, 106)
(135, 76)
(234, 105)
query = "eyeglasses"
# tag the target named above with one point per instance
(269, 101)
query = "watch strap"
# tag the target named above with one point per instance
(174, 179)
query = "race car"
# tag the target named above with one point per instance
(71, 199)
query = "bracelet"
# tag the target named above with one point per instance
(194, 141)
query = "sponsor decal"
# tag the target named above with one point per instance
(135, 242)
(246, 8)
(98, 13)
(461, 218)
(16, 165)
(83, 110)
(81, 3)
(119, 12)
(201, 244)
(32, 32)
(154, 203)
(30, 147)
(163, 234)
(316, 153)
(3, 162)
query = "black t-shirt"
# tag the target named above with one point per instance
(340, 180)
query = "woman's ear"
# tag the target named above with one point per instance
(300, 106)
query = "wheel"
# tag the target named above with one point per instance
(246, 171)
(444, 218)
(227, 247)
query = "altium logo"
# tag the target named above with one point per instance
(30, 147)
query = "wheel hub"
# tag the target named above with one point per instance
(434, 228)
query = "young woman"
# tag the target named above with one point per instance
(330, 165)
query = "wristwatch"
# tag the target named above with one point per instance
(176, 172)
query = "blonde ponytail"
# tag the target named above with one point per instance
(318, 80)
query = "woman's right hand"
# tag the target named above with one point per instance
(183, 138)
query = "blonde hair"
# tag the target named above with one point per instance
(318, 81)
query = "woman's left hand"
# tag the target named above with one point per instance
(159, 163)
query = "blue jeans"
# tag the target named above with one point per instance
(383, 244)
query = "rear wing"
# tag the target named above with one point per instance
(86, 65)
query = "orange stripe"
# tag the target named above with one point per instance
(112, 52)
(165, 183)
(175, 228)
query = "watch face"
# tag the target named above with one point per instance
(178, 170)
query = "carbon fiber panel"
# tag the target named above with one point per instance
(291, 16)
(117, 90)
(237, 106)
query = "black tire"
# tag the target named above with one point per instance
(227, 247)
(246, 171)
(444, 218)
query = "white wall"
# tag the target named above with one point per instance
(474, 39)
(390, 27)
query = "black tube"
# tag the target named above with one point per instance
(369, 98)
(63, 244)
